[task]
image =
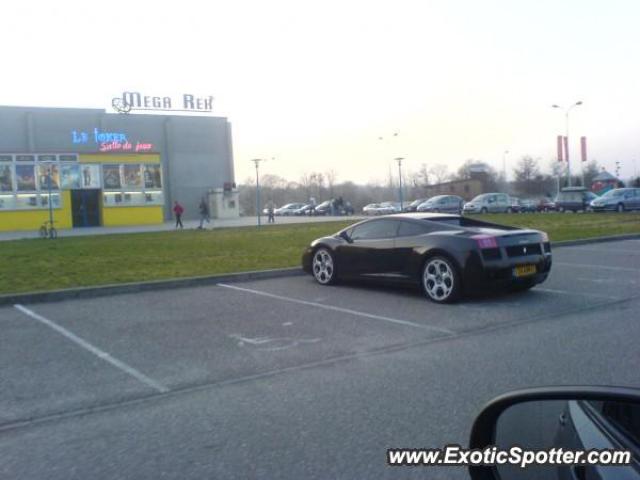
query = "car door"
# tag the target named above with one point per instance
(404, 255)
(503, 203)
(492, 204)
(370, 250)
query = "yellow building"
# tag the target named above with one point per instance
(85, 190)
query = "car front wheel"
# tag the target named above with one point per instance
(620, 208)
(323, 267)
(440, 280)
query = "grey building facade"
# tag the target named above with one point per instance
(195, 152)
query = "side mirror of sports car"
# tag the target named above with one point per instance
(345, 236)
(558, 433)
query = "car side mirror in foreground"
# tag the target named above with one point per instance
(560, 433)
(345, 236)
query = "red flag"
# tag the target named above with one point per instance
(583, 148)
(560, 149)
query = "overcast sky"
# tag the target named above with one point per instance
(314, 84)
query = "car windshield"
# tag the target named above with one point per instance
(613, 194)
(480, 198)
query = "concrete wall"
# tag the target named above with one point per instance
(195, 151)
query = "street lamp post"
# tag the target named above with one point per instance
(504, 166)
(257, 161)
(399, 160)
(566, 116)
(49, 188)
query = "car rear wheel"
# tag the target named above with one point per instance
(323, 267)
(620, 208)
(440, 280)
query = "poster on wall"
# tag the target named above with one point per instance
(90, 176)
(132, 176)
(152, 176)
(111, 176)
(70, 176)
(5, 178)
(25, 178)
(43, 176)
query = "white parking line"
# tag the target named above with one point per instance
(568, 292)
(339, 309)
(96, 351)
(601, 267)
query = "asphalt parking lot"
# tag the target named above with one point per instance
(284, 378)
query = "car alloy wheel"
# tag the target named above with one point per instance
(620, 208)
(323, 267)
(440, 280)
(483, 210)
(509, 210)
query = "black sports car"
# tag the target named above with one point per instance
(447, 255)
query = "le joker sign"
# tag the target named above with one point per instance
(109, 141)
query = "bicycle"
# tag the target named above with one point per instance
(47, 231)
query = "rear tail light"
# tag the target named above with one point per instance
(486, 241)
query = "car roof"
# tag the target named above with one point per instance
(422, 216)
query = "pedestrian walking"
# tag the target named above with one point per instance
(204, 213)
(178, 210)
(271, 218)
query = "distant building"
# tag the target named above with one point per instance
(479, 181)
(604, 182)
(466, 189)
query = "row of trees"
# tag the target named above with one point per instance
(528, 180)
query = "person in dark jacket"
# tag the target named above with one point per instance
(204, 213)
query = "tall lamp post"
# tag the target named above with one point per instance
(399, 160)
(257, 161)
(50, 202)
(566, 117)
(504, 166)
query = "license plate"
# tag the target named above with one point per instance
(524, 270)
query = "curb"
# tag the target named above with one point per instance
(586, 241)
(123, 288)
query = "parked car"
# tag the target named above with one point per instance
(432, 250)
(516, 205)
(394, 205)
(442, 203)
(546, 205)
(489, 203)
(378, 209)
(288, 209)
(528, 205)
(574, 199)
(413, 206)
(306, 209)
(619, 199)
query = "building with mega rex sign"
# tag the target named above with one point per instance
(110, 169)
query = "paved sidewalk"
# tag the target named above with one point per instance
(188, 224)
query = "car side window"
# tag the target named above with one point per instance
(409, 229)
(375, 229)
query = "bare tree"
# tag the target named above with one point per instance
(331, 177)
(439, 172)
(527, 174)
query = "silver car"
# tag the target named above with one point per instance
(619, 199)
(489, 203)
(442, 203)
